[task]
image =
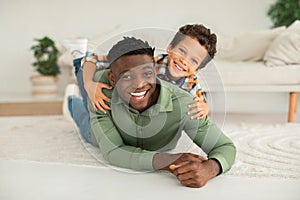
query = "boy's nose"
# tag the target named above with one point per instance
(183, 61)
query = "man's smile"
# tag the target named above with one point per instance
(139, 95)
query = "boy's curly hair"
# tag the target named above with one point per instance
(202, 34)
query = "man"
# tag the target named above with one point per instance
(147, 118)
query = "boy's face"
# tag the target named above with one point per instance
(135, 80)
(185, 57)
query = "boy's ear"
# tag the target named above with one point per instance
(169, 48)
(112, 79)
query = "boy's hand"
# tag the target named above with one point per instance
(199, 109)
(94, 91)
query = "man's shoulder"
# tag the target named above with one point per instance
(101, 76)
(175, 94)
(174, 89)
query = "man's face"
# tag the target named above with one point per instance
(185, 57)
(135, 80)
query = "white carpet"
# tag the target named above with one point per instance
(263, 150)
(266, 150)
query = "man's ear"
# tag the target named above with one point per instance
(112, 79)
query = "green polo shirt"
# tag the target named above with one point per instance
(129, 139)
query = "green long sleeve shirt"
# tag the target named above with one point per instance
(129, 139)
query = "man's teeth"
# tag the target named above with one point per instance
(179, 68)
(138, 94)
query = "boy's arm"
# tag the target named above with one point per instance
(94, 89)
(199, 109)
(89, 69)
(89, 66)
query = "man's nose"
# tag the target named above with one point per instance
(139, 82)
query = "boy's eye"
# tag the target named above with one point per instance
(195, 62)
(181, 50)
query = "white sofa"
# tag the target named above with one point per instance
(261, 61)
(256, 77)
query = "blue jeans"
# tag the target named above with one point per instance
(79, 77)
(78, 107)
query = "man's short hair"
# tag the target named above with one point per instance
(129, 46)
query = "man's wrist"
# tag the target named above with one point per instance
(162, 161)
(216, 168)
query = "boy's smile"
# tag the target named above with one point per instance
(179, 66)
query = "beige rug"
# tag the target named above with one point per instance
(264, 150)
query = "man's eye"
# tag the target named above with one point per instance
(148, 74)
(126, 77)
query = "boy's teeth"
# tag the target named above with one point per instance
(178, 67)
(138, 93)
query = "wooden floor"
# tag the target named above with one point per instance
(31, 106)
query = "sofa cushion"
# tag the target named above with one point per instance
(247, 46)
(285, 49)
(256, 73)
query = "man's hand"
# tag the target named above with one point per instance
(190, 169)
(195, 171)
(94, 91)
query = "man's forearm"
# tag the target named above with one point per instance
(215, 144)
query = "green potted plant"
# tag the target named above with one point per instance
(46, 55)
(284, 12)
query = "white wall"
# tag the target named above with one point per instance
(21, 21)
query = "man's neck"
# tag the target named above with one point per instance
(155, 95)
